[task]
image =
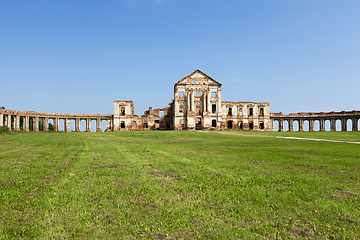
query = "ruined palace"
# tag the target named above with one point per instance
(197, 105)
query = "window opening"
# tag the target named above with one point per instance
(213, 94)
(261, 111)
(122, 124)
(161, 113)
(197, 94)
(145, 124)
(193, 81)
(251, 125)
(213, 123)
(122, 111)
(251, 111)
(240, 125)
(230, 111)
(198, 109)
(214, 108)
(157, 121)
(181, 94)
(262, 125)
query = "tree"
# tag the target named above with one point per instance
(2, 107)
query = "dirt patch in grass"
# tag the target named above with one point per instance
(100, 165)
(50, 177)
(168, 174)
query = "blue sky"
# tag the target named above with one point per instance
(80, 56)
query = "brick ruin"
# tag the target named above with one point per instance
(197, 105)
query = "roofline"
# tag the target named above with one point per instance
(197, 71)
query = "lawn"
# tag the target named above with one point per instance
(179, 185)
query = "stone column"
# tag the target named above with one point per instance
(218, 108)
(26, 123)
(311, 125)
(45, 124)
(188, 101)
(67, 125)
(88, 125)
(355, 124)
(332, 124)
(9, 122)
(56, 124)
(193, 101)
(344, 124)
(98, 125)
(281, 125)
(322, 124)
(208, 104)
(17, 123)
(77, 124)
(291, 125)
(36, 124)
(301, 125)
(271, 124)
(111, 124)
(1, 120)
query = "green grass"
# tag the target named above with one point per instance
(179, 184)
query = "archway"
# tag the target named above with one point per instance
(316, 125)
(306, 125)
(240, 125)
(251, 125)
(230, 124)
(338, 125)
(61, 125)
(82, 125)
(349, 125)
(198, 124)
(327, 125)
(104, 125)
(286, 126)
(72, 125)
(51, 125)
(93, 125)
(276, 125)
(296, 125)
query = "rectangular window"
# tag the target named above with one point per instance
(181, 94)
(214, 108)
(122, 111)
(261, 111)
(230, 111)
(213, 123)
(251, 111)
(122, 124)
(213, 94)
(197, 94)
(145, 125)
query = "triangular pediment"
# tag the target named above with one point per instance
(198, 75)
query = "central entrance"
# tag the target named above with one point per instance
(198, 124)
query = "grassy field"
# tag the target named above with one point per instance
(179, 185)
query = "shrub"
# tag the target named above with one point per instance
(4, 129)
